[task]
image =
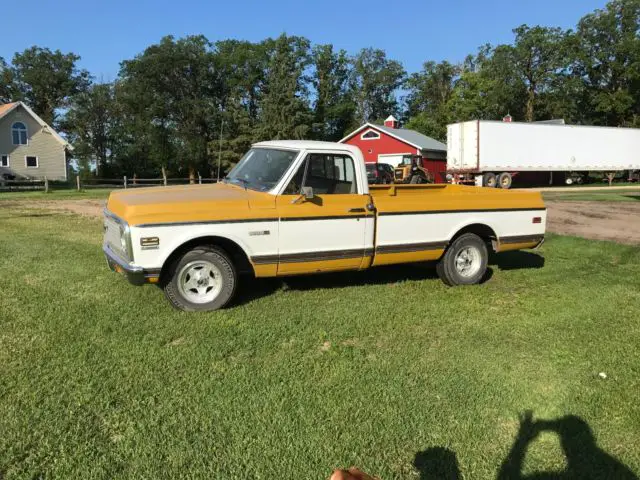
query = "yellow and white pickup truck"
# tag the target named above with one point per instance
(298, 207)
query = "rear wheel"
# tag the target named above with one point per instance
(505, 180)
(464, 262)
(202, 279)
(489, 180)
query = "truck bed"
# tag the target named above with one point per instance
(422, 219)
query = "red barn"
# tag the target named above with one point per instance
(389, 144)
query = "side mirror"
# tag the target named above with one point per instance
(307, 193)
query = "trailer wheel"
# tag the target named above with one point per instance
(489, 180)
(505, 180)
(464, 262)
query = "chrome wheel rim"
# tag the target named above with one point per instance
(200, 281)
(468, 261)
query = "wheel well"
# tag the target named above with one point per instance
(235, 251)
(485, 232)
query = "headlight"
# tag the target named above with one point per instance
(125, 241)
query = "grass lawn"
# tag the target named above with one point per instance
(596, 195)
(388, 370)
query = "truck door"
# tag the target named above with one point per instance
(326, 231)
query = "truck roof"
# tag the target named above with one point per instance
(308, 145)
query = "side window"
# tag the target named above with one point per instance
(331, 174)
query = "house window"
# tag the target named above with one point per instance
(19, 133)
(4, 160)
(31, 162)
(370, 135)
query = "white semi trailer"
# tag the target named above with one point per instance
(491, 153)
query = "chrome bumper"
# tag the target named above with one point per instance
(135, 275)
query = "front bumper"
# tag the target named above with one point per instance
(135, 275)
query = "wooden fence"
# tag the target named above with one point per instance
(90, 183)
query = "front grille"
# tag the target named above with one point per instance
(112, 235)
(398, 174)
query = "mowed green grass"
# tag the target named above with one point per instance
(597, 195)
(100, 379)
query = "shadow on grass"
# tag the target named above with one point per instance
(251, 289)
(516, 260)
(584, 459)
(437, 463)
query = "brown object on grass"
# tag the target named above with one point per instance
(351, 474)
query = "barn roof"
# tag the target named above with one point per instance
(413, 138)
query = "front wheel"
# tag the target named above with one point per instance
(464, 262)
(203, 279)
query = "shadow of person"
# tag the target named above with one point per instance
(585, 460)
(437, 463)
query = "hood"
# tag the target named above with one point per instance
(185, 203)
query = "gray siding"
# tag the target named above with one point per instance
(42, 144)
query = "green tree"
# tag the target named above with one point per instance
(243, 66)
(47, 80)
(538, 58)
(7, 85)
(333, 108)
(374, 83)
(430, 92)
(609, 64)
(176, 89)
(284, 108)
(89, 125)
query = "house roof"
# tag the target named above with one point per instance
(9, 107)
(411, 137)
(6, 108)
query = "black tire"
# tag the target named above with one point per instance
(215, 256)
(489, 180)
(446, 268)
(505, 180)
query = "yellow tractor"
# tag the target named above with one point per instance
(412, 171)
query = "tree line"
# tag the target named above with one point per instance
(185, 103)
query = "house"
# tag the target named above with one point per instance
(29, 148)
(390, 144)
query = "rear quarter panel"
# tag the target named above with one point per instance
(424, 218)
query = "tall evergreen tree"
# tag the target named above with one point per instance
(333, 108)
(284, 109)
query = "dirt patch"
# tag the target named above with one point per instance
(89, 208)
(615, 221)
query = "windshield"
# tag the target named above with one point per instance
(261, 168)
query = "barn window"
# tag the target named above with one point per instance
(4, 160)
(31, 162)
(19, 133)
(370, 135)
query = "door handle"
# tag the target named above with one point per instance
(356, 210)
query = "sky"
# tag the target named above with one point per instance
(106, 32)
